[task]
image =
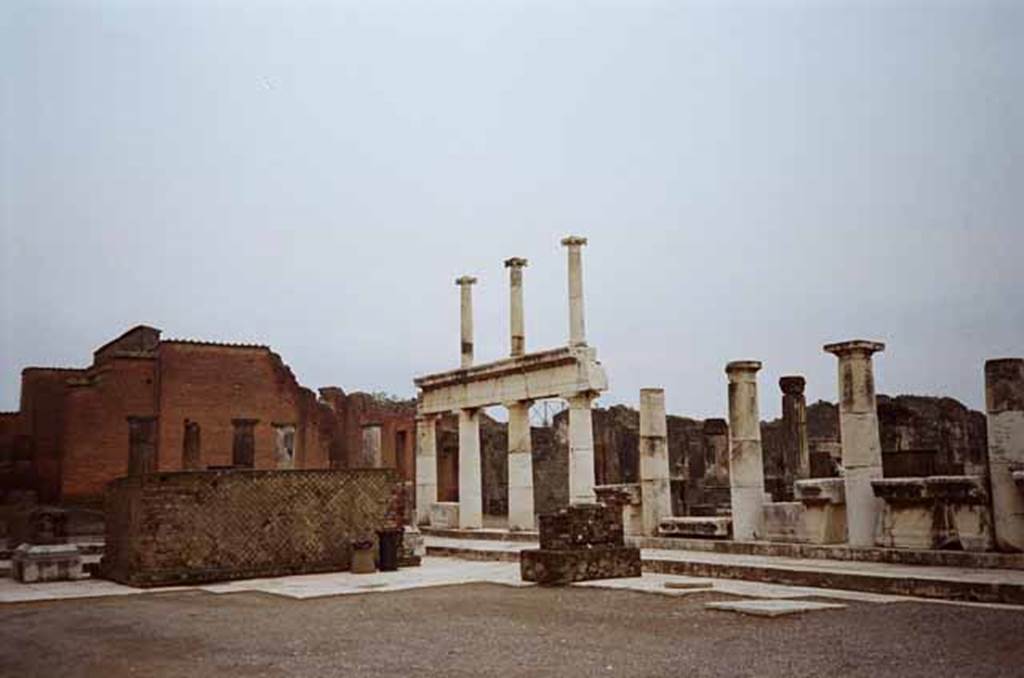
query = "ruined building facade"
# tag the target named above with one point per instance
(147, 404)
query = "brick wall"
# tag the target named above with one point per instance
(173, 528)
(42, 408)
(95, 432)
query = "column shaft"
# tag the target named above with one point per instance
(861, 444)
(426, 467)
(655, 488)
(796, 459)
(1004, 401)
(517, 324)
(471, 513)
(746, 464)
(581, 450)
(520, 468)
(465, 284)
(577, 324)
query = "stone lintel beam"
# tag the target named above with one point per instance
(534, 376)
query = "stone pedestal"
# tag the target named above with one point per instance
(937, 512)
(520, 468)
(32, 563)
(824, 510)
(444, 514)
(858, 429)
(580, 543)
(627, 497)
(655, 489)
(746, 466)
(1004, 401)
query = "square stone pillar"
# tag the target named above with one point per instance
(471, 512)
(861, 444)
(426, 466)
(581, 449)
(655, 489)
(1004, 402)
(520, 467)
(746, 464)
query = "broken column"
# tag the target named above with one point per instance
(520, 467)
(1004, 402)
(577, 325)
(655, 490)
(471, 513)
(796, 455)
(517, 325)
(426, 466)
(746, 469)
(858, 430)
(466, 283)
(716, 446)
(581, 449)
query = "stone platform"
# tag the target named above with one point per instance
(580, 543)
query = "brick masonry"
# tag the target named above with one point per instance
(200, 526)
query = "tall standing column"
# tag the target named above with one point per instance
(517, 324)
(746, 465)
(1004, 400)
(581, 450)
(471, 511)
(426, 466)
(858, 430)
(796, 458)
(577, 325)
(655, 489)
(520, 467)
(466, 282)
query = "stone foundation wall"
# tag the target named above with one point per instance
(186, 527)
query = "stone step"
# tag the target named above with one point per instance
(948, 583)
(491, 534)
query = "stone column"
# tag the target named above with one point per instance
(426, 466)
(858, 431)
(1004, 401)
(581, 450)
(577, 325)
(471, 512)
(520, 467)
(716, 445)
(746, 465)
(517, 325)
(655, 489)
(466, 282)
(796, 459)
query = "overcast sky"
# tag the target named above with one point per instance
(755, 179)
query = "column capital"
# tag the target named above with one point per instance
(792, 384)
(429, 417)
(588, 396)
(516, 262)
(740, 367)
(845, 349)
(465, 280)
(510, 404)
(573, 241)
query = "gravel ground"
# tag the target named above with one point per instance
(493, 630)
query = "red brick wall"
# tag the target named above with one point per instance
(95, 439)
(212, 384)
(394, 418)
(42, 406)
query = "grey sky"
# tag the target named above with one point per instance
(755, 180)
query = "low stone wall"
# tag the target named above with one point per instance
(187, 527)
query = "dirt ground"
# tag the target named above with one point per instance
(491, 630)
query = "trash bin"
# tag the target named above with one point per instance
(390, 544)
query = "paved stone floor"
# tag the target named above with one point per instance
(467, 618)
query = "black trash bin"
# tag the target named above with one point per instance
(390, 545)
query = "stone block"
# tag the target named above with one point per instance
(561, 567)
(581, 525)
(824, 523)
(784, 522)
(33, 563)
(820, 490)
(696, 527)
(626, 496)
(936, 512)
(444, 514)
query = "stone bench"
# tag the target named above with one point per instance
(696, 527)
(935, 512)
